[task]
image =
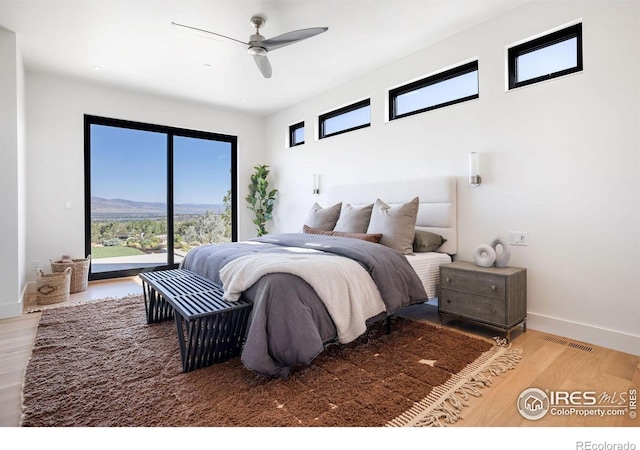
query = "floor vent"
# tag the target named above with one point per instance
(582, 347)
(557, 340)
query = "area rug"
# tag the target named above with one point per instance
(100, 365)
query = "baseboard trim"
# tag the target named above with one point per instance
(9, 310)
(616, 340)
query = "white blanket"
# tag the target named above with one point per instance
(347, 290)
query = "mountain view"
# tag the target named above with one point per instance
(102, 208)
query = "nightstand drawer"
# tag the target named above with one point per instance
(473, 282)
(485, 309)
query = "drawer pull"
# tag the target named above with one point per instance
(448, 301)
(493, 287)
(448, 280)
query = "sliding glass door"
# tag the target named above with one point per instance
(128, 192)
(153, 192)
(202, 193)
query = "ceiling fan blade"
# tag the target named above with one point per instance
(263, 64)
(207, 33)
(291, 37)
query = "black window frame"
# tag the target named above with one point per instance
(170, 132)
(338, 112)
(431, 80)
(570, 32)
(292, 132)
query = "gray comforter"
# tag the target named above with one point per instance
(289, 323)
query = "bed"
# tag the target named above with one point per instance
(437, 214)
(338, 275)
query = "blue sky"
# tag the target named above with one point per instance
(132, 165)
(553, 58)
(352, 119)
(436, 94)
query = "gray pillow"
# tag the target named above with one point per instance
(354, 219)
(395, 223)
(425, 241)
(323, 218)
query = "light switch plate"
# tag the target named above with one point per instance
(518, 238)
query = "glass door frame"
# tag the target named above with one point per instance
(171, 132)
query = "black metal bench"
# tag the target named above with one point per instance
(210, 329)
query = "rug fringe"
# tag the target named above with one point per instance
(444, 403)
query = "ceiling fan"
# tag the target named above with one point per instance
(258, 46)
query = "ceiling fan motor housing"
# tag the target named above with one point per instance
(255, 49)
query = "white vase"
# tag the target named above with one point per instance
(502, 250)
(484, 255)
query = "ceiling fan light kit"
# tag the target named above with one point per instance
(258, 46)
(257, 51)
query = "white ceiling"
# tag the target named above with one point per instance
(137, 48)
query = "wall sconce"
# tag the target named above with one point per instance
(474, 177)
(316, 184)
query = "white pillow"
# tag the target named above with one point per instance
(395, 223)
(354, 219)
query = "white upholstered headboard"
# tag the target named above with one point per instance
(438, 198)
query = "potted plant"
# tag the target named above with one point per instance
(260, 199)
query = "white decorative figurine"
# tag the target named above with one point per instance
(503, 252)
(497, 253)
(484, 255)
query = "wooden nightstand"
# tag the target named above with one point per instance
(494, 297)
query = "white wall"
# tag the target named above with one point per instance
(55, 157)
(22, 178)
(559, 160)
(12, 174)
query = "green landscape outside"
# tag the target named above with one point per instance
(130, 236)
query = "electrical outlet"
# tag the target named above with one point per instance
(518, 238)
(35, 265)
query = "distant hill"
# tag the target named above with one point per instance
(116, 207)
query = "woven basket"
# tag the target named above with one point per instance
(79, 272)
(53, 287)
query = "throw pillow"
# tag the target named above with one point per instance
(323, 218)
(375, 238)
(395, 223)
(354, 219)
(425, 241)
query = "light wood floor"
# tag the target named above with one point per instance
(548, 363)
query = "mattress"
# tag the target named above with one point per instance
(427, 266)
